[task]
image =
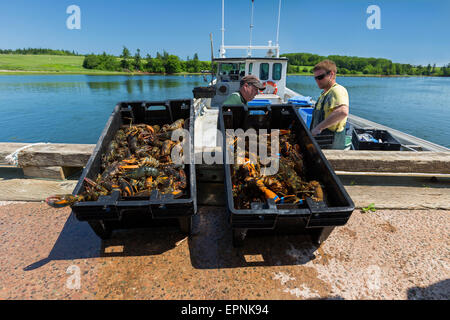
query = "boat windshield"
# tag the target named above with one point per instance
(232, 69)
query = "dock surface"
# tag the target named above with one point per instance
(399, 251)
(387, 254)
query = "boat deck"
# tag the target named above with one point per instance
(409, 142)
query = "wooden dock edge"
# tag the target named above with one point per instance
(59, 160)
(49, 161)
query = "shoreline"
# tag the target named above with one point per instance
(120, 73)
(370, 75)
(101, 73)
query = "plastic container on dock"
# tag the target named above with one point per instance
(318, 218)
(116, 212)
(374, 139)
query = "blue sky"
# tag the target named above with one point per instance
(412, 31)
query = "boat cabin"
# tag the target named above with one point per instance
(270, 71)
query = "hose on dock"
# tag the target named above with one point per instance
(13, 157)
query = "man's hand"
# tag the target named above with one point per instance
(316, 131)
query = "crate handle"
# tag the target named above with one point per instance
(157, 108)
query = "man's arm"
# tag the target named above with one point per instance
(338, 114)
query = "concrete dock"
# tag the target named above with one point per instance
(399, 251)
(387, 254)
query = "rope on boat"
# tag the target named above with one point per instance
(13, 157)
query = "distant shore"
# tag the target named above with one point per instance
(54, 64)
(91, 73)
(118, 73)
(365, 75)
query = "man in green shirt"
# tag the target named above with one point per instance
(331, 110)
(248, 90)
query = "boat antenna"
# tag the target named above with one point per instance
(222, 47)
(212, 57)
(249, 52)
(278, 26)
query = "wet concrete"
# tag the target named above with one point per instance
(387, 254)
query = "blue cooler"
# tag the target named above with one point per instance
(259, 102)
(306, 114)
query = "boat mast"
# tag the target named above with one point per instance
(249, 48)
(249, 51)
(222, 47)
(278, 27)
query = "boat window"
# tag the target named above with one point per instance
(276, 71)
(264, 71)
(229, 68)
(241, 69)
(250, 68)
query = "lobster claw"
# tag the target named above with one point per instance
(127, 189)
(62, 200)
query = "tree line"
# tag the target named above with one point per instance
(39, 51)
(298, 62)
(161, 63)
(358, 65)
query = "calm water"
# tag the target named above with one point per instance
(75, 108)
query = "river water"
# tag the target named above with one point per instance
(75, 108)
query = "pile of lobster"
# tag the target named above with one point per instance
(137, 162)
(287, 185)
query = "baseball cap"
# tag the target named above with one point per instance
(251, 79)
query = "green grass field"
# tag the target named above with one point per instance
(45, 64)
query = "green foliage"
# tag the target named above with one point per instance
(193, 65)
(125, 53)
(91, 61)
(369, 69)
(125, 62)
(137, 62)
(369, 208)
(39, 51)
(446, 70)
(39, 59)
(291, 68)
(101, 62)
(358, 65)
(94, 63)
(155, 65)
(172, 64)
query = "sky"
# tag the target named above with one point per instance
(411, 31)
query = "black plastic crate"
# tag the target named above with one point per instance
(269, 215)
(388, 142)
(325, 139)
(111, 209)
(204, 92)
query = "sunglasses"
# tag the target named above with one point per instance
(322, 76)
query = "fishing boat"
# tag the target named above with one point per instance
(271, 69)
